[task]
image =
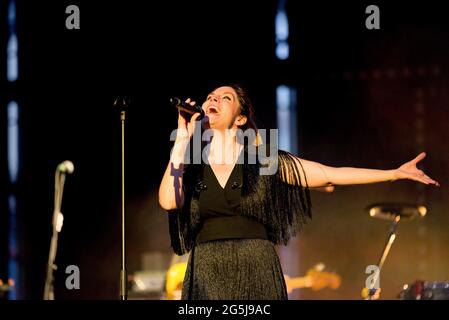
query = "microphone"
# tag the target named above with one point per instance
(186, 109)
(57, 222)
(122, 102)
(389, 211)
(66, 167)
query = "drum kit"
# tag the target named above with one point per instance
(425, 290)
(419, 290)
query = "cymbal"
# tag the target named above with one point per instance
(390, 210)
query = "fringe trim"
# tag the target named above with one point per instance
(280, 201)
(185, 223)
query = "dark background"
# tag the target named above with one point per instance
(366, 98)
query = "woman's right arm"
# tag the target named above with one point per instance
(171, 193)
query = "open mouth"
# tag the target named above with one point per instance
(212, 110)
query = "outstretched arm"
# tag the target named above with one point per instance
(319, 175)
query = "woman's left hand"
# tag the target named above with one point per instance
(409, 171)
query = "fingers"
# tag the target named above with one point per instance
(431, 181)
(195, 116)
(420, 175)
(420, 156)
(191, 102)
(426, 179)
(182, 120)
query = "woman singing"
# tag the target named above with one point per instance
(229, 211)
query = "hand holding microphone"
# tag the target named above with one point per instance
(187, 108)
(189, 114)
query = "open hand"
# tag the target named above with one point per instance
(409, 170)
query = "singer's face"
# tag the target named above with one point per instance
(222, 109)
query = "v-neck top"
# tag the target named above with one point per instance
(216, 201)
(220, 209)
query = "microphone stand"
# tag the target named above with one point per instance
(122, 103)
(373, 293)
(57, 226)
(394, 212)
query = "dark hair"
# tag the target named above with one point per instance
(246, 107)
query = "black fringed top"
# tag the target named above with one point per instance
(220, 210)
(282, 208)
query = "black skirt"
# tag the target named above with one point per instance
(235, 269)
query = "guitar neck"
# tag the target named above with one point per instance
(299, 282)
